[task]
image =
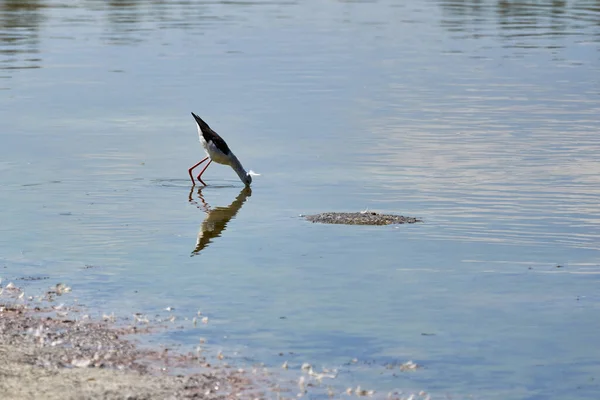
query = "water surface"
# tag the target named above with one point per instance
(480, 117)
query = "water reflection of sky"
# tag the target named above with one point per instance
(479, 116)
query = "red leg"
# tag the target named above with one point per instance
(201, 172)
(190, 170)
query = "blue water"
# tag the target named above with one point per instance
(479, 117)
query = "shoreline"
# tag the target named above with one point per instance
(56, 351)
(50, 353)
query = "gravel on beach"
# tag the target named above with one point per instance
(47, 356)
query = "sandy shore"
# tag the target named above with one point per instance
(50, 354)
(50, 350)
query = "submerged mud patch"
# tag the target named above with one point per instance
(361, 218)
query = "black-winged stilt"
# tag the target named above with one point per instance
(218, 151)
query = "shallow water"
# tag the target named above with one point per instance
(480, 117)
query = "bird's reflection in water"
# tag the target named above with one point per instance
(216, 218)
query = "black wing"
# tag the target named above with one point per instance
(211, 136)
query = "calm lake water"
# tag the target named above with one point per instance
(481, 117)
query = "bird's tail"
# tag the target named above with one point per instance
(203, 125)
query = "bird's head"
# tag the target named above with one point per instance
(248, 179)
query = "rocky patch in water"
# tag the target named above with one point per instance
(361, 218)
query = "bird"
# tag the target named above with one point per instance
(217, 150)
